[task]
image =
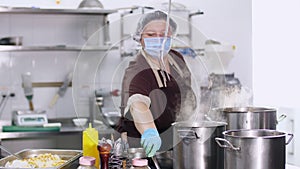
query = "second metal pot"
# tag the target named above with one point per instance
(250, 118)
(195, 145)
(254, 149)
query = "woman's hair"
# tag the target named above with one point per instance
(153, 16)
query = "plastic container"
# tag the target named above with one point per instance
(138, 163)
(90, 143)
(87, 162)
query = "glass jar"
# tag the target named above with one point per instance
(87, 162)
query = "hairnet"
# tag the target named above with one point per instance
(147, 18)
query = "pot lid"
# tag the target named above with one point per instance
(246, 110)
(253, 133)
(199, 124)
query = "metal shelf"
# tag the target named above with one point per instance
(8, 48)
(24, 10)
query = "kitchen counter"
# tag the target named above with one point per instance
(67, 128)
(53, 139)
(63, 131)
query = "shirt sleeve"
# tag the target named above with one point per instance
(139, 88)
(141, 83)
(137, 98)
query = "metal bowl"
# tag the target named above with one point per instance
(136, 153)
(79, 122)
(90, 4)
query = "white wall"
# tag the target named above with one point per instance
(276, 67)
(225, 21)
(46, 65)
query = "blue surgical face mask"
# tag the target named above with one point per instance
(153, 46)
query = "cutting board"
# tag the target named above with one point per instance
(29, 129)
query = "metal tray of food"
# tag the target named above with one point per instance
(71, 157)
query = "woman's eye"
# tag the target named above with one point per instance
(151, 34)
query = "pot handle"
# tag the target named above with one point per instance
(229, 145)
(191, 134)
(281, 117)
(290, 139)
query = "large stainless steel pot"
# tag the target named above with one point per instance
(250, 118)
(195, 146)
(165, 159)
(254, 149)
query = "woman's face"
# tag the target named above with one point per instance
(154, 29)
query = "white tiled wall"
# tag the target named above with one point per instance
(48, 66)
(44, 67)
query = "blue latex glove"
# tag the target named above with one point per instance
(150, 141)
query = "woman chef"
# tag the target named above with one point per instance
(155, 87)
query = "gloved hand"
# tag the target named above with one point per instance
(150, 141)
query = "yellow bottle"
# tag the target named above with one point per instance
(90, 143)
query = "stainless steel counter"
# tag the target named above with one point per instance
(67, 128)
(69, 137)
(63, 131)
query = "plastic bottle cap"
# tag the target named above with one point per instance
(139, 162)
(87, 160)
